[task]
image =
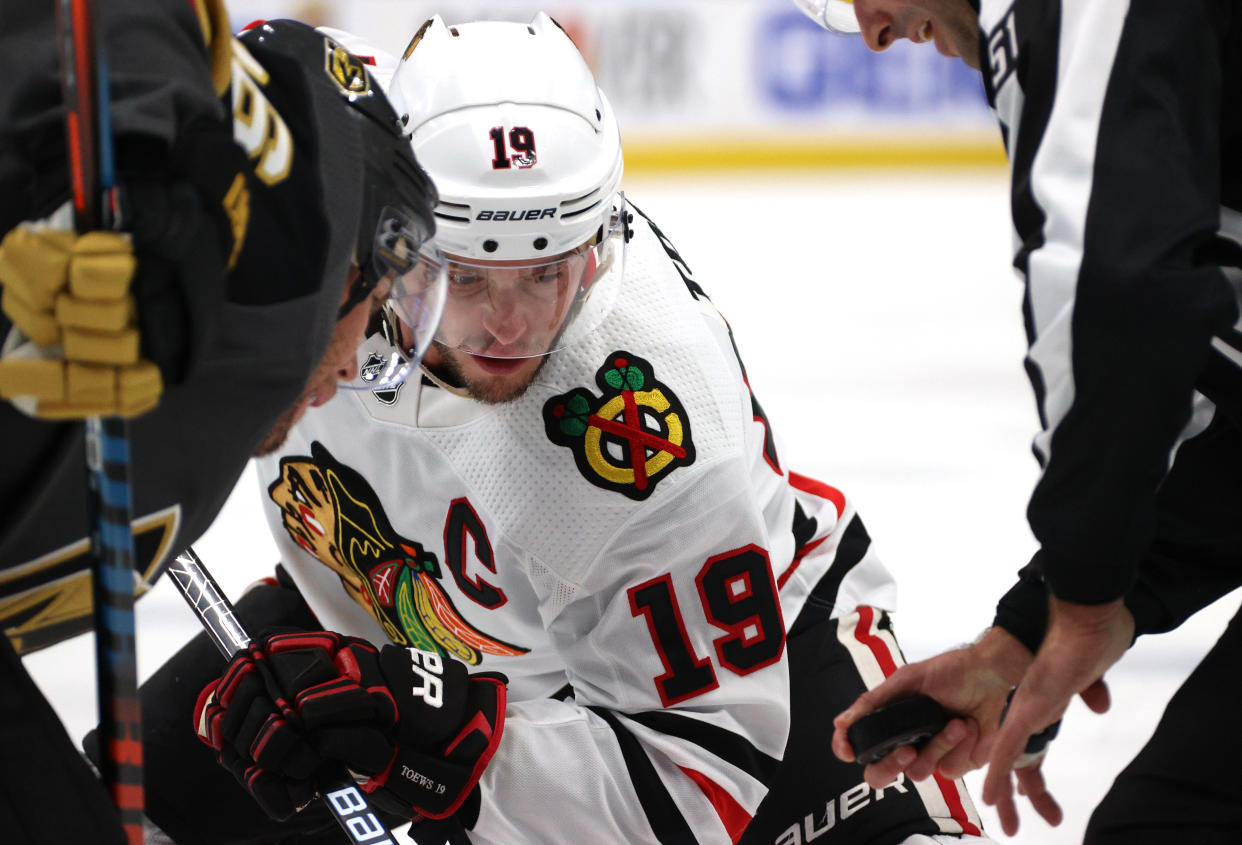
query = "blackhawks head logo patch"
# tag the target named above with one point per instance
(629, 438)
(335, 515)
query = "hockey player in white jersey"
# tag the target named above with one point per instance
(576, 589)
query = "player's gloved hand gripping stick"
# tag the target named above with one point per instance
(914, 721)
(413, 728)
(349, 806)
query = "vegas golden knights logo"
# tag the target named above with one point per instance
(628, 439)
(346, 70)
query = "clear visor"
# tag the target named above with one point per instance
(414, 303)
(833, 15)
(527, 308)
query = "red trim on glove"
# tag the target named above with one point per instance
(227, 685)
(270, 726)
(347, 664)
(325, 640)
(478, 723)
(493, 741)
(493, 734)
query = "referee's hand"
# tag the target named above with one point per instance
(1081, 642)
(972, 682)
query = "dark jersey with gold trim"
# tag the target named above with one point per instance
(290, 259)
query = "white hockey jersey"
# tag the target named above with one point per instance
(624, 542)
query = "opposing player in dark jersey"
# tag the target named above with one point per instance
(267, 195)
(1121, 124)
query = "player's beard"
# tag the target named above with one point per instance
(491, 390)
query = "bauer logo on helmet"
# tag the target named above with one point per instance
(501, 215)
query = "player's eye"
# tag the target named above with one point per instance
(464, 280)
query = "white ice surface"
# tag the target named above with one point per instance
(879, 321)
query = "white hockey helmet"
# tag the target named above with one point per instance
(833, 15)
(526, 156)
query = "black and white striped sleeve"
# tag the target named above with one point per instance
(1113, 121)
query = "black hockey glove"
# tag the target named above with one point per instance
(416, 725)
(188, 218)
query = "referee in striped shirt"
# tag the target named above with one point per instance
(1122, 125)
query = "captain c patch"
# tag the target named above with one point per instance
(629, 438)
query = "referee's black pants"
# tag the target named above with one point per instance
(1185, 785)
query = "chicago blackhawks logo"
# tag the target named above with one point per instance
(332, 512)
(629, 438)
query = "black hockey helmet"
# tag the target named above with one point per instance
(397, 197)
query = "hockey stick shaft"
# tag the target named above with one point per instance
(347, 803)
(89, 146)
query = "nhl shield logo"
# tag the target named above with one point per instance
(372, 369)
(629, 438)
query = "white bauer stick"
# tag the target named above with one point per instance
(348, 804)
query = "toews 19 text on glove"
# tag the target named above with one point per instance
(415, 727)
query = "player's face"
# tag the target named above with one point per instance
(491, 380)
(501, 318)
(337, 364)
(952, 24)
(509, 309)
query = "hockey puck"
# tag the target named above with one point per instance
(909, 721)
(1036, 744)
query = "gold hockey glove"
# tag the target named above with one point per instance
(69, 296)
(107, 321)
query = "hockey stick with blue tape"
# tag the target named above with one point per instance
(914, 721)
(347, 803)
(88, 137)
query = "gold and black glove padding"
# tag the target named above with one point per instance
(77, 354)
(107, 320)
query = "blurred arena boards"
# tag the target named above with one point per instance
(722, 85)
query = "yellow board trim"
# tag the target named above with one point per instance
(671, 156)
